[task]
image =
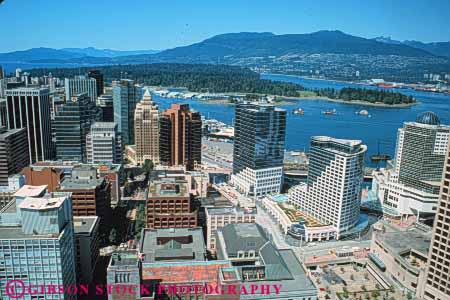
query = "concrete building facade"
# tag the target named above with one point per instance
(146, 130)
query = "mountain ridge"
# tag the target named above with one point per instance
(326, 53)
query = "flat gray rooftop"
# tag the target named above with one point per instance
(173, 244)
(70, 183)
(228, 211)
(402, 241)
(84, 224)
(299, 284)
(15, 233)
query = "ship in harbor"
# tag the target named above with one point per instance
(363, 113)
(298, 111)
(329, 112)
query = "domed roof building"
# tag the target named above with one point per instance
(429, 118)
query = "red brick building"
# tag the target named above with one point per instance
(49, 176)
(180, 137)
(169, 205)
(91, 196)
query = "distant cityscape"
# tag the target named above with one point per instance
(104, 192)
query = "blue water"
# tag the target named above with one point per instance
(380, 129)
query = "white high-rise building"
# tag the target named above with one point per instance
(104, 144)
(411, 187)
(332, 194)
(81, 84)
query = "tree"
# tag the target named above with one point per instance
(375, 294)
(409, 296)
(113, 236)
(147, 167)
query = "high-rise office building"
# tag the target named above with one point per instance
(146, 130)
(104, 144)
(79, 85)
(437, 286)
(13, 152)
(105, 103)
(72, 123)
(87, 247)
(259, 131)
(180, 140)
(37, 246)
(30, 108)
(2, 74)
(332, 194)
(420, 153)
(3, 85)
(411, 187)
(98, 76)
(125, 96)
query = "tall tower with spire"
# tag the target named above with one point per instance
(146, 130)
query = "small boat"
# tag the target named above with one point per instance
(380, 157)
(363, 113)
(298, 111)
(329, 112)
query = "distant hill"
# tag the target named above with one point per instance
(94, 52)
(246, 44)
(38, 54)
(436, 48)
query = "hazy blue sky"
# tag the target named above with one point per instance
(159, 24)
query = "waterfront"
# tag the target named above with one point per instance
(380, 127)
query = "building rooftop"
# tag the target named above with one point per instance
(429, 118)
(296, 285)
(41, 203)
(72, 183)
(232, 210)
(124, 258)
(31, 191)
(190, 271)
(172, 244)
(243, 237)
(351, 143)
(4, 133)
(109, 125)
(168, 187)
(15, 232)
(84, 224)
(400, 241)
(272, 265)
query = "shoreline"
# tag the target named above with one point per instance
(360, 102)
(288, 100)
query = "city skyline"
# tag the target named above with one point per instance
(162, 26)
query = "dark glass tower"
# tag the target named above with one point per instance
(259, 135)
(125, 96)
(30, 108)
(98, 80)
(72, 123)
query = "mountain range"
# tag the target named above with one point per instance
(332, 54)
(436, 48)
(42, 53)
